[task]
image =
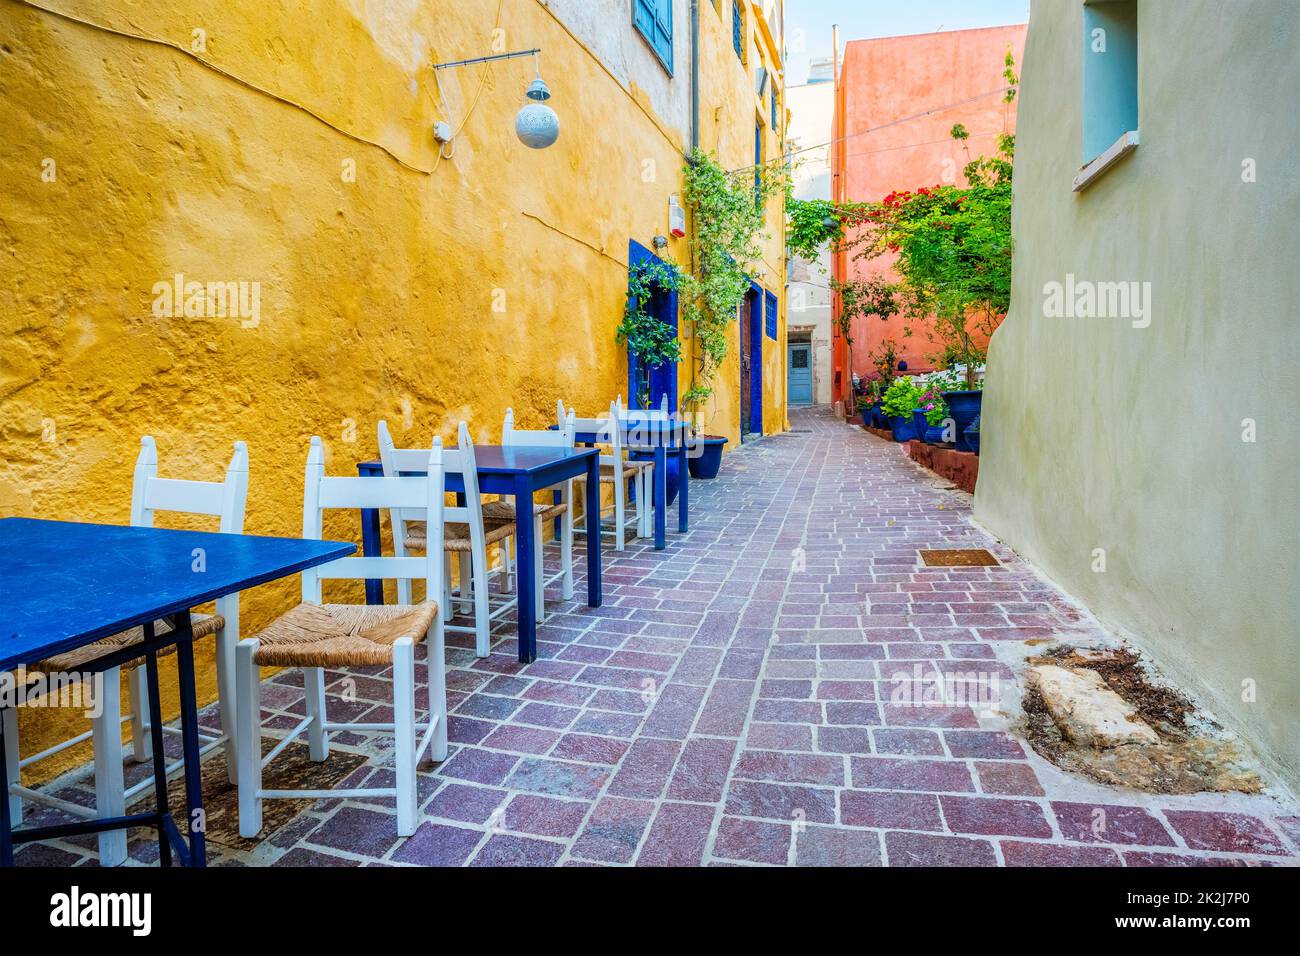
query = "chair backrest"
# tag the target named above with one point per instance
(412, 460)
(421, 495)
(609, 429)
(221, 499)
(561, 437)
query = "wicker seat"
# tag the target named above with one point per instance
(505, 510)
(341, 635)
(455, 535)
(608, 474)
(203, 625)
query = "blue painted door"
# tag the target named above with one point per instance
(662, 378)
(799, 383)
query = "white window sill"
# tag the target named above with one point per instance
(1113, 154)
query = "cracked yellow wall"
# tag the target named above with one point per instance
(425, 291)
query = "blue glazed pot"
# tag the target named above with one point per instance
(963, 407)
(919, 424)
(903, 429)
(866, 415)
(933, 434)
(973, 439)
(707, 461)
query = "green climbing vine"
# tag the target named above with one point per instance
(651, 342)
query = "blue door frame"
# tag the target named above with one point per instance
(663, 306)
(754, 329)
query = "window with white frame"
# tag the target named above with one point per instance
(1110, 84)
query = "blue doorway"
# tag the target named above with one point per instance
(799, 379)
(663, 306)
(751, 362)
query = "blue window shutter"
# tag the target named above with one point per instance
(770, 316)
(737, 33)
(654, 20)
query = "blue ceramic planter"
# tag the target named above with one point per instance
(919, 424)
(903, 429)
(707, 462)
(866, 415)
(973, 439)
(933, 434)
(673, 470)
(963, 407)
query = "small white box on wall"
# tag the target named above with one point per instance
(676, 217)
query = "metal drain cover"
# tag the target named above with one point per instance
(959, 558)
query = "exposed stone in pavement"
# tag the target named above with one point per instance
(1087, 711)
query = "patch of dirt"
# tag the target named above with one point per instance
(1184, 761)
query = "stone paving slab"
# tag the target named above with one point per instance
(736, 701)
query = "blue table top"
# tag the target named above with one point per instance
(64, 584)
(513, 459)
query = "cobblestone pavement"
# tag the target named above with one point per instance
(732, 703)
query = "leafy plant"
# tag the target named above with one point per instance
(885, 361)
(813, 223)
(864, 401)
(900, 398)
(729, 211)
(931, 402)
(863, 298)
(651, 342)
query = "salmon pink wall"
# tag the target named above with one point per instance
(888, 80)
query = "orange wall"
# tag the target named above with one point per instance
(885, 80)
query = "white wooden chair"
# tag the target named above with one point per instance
(468, 533)
(561, 511)
(639, 437)
(220, 499)
(616, 470)
(315, 636)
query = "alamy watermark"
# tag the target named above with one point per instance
(56, 689)
(214, 300)
(1085, 299)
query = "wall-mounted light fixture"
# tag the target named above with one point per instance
(536, 124)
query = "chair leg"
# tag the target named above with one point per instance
(248, 697)
(482, 624)
(620, 511)
(225, 652)
(110, 790)
(508, 564)
(12, 771)
(566, 549)
(466, 604)
(138, 687)
(539, 579)
(436, 678)
(313, 681)
(404, 733)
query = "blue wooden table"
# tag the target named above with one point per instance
(516, 471)
(64, 585)
(664, 437)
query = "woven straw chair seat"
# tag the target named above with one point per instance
(455, 535)
(341, 635)
(203, 625)
(505, 510)
(607, 471)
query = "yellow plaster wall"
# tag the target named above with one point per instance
(423, 292)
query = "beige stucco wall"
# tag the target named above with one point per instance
(1098, 434)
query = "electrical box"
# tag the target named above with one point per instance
(676, 218)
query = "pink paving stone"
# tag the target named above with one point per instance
(921, 849)
(456, 801)
(916, 743)
(1108, 823)
(779, 737)
(543, 816)
(791, 768)
(1151, 858)
(553, 692)
(827, 846)
(995, 817)
(590, 749)
(702, 770)
(645, 770)
(898, 773)
(479, 766)
(613, 830)
(888, 811)
(673, 713)
(785, 689)
(531, 740)
(726, 708)
(852, 712)
(558, 778)
(788, 711)
(677, 836)
(844, 740)
(1008, 778)
(775, 801)
(1016, 853)
(983, 743)
(925, 715)
(846, 690)
(1230, 832)
(752, 840)
(506, 850)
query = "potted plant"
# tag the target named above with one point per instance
(899, 402)
(704, 455)
(973, 435)
(864, 404)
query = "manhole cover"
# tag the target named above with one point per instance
(959, 558)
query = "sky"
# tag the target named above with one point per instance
(808, 22)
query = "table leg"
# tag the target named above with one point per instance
(195, 824)
(661, 496)
(683, 485)
(6, 823)
(159, 754)
(372, 546)
(594, 596)
(525, 586)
